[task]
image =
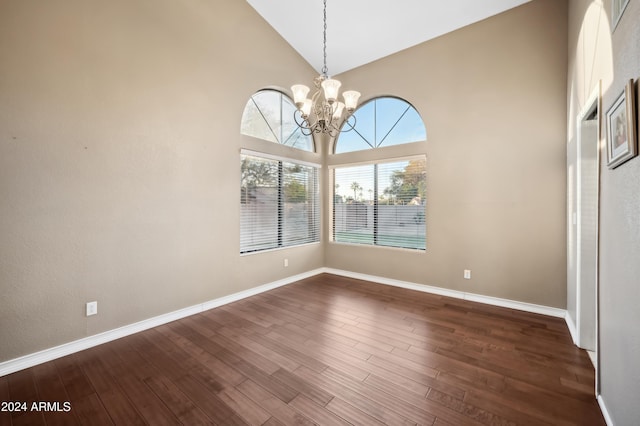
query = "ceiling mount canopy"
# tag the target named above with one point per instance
(323, 112)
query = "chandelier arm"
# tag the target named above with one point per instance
(297, 117)
(327, 113)
(314, 104)
(347, 122)
(333, 130)
(301, 122)
(317, 112)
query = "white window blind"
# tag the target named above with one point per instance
(381, 204)
(279, 203)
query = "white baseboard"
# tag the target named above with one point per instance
(495, 301)
(605, 412)
(50, 354)
(571, 325)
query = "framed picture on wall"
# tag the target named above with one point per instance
(621, 128)
(617, 9)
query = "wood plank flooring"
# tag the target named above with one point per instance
(327, 350)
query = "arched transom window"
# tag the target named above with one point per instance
(382, 122)
(268, 115)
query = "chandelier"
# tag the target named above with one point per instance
(323, 113)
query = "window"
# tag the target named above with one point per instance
(382, 122)
(279, 197)
(279, 203)
(381, 204)
(268, 115)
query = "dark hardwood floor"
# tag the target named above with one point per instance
(326, 350)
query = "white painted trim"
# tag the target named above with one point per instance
(244, 151)
(571, 325)
(396, 283)
(520, 306)
(385, 160)
(495, 301)
(50, 354)
(605, 412)
(257, 290)
(46, 355)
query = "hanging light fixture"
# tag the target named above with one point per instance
(323, 113)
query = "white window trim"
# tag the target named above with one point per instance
(319, 171)
(332, 201)
(382, 160)
(268, 156)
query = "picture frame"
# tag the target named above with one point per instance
(621, 128)
(617, 9)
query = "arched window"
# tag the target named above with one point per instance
(279, 196)
(268, 115)
(382, 202)
(382, 122)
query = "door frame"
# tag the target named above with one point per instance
(592, 106)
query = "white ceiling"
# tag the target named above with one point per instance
(361, 31)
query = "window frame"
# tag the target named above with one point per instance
(315, 204)
(379, 146)
(378, 155)
(280, 124)
(376, 206)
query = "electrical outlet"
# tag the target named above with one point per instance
(92, 308)
(286, 263)
(467, 274)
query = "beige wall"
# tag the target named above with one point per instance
(595, 53)
(119, 161)
(119, 139)
(492, 98)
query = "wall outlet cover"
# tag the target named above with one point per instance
(92, 308)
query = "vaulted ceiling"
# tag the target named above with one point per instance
(361, 31)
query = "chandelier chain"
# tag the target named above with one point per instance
(325, 70)
(322, 112)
